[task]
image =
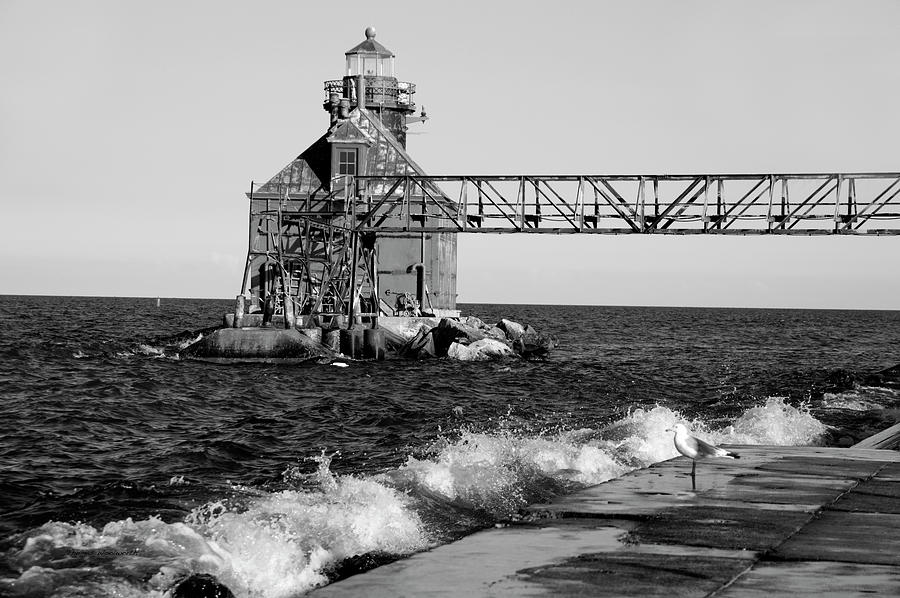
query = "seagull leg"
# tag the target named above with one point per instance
(693, 475)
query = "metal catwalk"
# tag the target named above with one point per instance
(325, 245)
(798, 204)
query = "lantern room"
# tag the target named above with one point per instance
(370, 58)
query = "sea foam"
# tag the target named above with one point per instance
(279, 544)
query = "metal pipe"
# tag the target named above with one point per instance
(420, 281)
(361, 92)
(351, 307)
(252, 230)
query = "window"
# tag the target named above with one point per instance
(347, 161)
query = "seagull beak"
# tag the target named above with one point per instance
(669, 430)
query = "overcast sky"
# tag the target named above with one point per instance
(130, 131)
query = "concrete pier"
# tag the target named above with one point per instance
(780, 521)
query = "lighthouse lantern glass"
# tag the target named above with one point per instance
(372, 65)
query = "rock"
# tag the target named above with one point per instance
(405, 328)
(513, 330)
(475, 322)
(457, 351)
(889, 378)
(533, 345)
(399, 332)
(201, 586)
(496, 333)
(450, 331)
(481, 350)
(421, 346)
(894, 371)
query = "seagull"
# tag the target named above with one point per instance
(694, 448)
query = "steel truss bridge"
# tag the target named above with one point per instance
(742, 204)
(325, 243)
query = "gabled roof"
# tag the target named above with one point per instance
(349, 132)
(310, 172)
(304, 174)
(386, 156)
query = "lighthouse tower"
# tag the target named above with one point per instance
(383, 95)
(304, 256)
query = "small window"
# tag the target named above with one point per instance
(347, 161)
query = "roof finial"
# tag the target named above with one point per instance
(370, 32)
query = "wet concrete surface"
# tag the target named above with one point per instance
(780, 521)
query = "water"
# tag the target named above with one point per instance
(124, 469)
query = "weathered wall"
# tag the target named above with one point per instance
(379, 139)
(443, 278)
(398, 252)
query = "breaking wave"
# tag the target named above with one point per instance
(862, 398)
(277, 544)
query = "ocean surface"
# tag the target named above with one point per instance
(124, 469)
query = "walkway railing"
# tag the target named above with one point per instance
(805, 204)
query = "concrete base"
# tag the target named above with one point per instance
(255, 320)
(780, 521)
(255, 344)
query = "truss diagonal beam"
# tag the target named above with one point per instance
(538, 190)
(502, 199)
(863, 216)
(617, 208)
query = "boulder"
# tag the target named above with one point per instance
(481, 350)
(450, 331)
(533, 345)
(421, 346)
(513, 330)
(495, 333)
(399, 332)
(475, 322)
(201, 586)
(889, 378)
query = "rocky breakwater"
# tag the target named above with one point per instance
(470, 339)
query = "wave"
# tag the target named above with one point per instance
(277, 544)
(862, 398)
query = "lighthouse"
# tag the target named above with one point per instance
(306, 259)
(382, 94)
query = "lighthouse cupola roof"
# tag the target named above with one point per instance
(370, 58)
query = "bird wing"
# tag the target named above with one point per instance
(686, 445)
(705, 449)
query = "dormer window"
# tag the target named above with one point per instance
(347, 159)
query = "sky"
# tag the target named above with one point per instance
(130, 132)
